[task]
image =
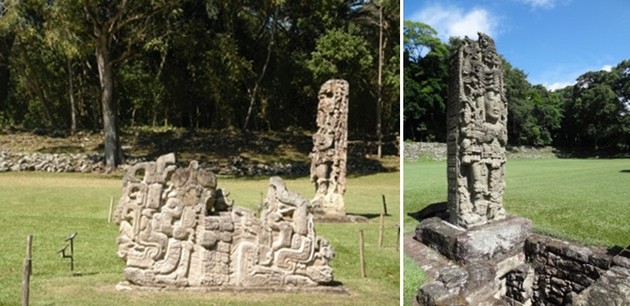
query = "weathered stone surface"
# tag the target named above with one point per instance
(178, 229)
(453, 277)
(439, 235)
(330, 146)
(612, 289)
(623, 258)
(430, 260)
(435, 294)
(495, 239)
(477, 134)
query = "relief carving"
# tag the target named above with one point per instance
(328, 158)
(477, 134)
(178, 229)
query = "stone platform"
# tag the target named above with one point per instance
(330, 218)
(467, 267)
(495, 240)
(323, 289)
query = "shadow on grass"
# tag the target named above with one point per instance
(438, 209)
(79, 274)
(368, 216)
(619, 251)
(625, 171)
(565, 152)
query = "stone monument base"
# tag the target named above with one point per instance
(330, 209)
(334, 218)
(478, 260)
(498, 239)
(335, 288)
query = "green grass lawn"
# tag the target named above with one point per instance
(585, 200)
(51, 206)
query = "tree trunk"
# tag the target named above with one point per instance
(252, 97)
(379, 102)
(73, 104)
(113, 153)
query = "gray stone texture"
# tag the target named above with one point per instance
(496, 240)
(476, 134)
(177, 229)
(330, 148)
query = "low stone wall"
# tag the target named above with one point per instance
(50, 162)
(563, 269)
(60, 162)
(559, 272)
(541, 271)
(413, 151)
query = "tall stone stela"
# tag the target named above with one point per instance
(330, 146)
(477, 134)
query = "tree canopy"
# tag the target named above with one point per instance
(594, 113)
(244, 65)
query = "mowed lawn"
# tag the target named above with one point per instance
(586, 200)
(51, 206)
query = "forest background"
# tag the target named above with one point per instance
(70, 65)
(591, 116)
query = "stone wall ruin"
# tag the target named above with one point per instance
(177, 229)
(330, 146)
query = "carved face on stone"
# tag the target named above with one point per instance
(326, 98)
(493, 106)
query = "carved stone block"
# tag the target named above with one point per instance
(178, 230)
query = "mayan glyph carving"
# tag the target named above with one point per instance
(330, 145)
(178, 229)
(477, 134)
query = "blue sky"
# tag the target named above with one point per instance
(553, 41)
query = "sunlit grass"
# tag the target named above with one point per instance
(51, 206)
(414, 277)
(587, 200)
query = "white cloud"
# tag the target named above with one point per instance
(540, 3)
(558, 85)
(607, 68)
(454, 21)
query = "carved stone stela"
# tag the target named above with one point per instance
(477, 134)
(177, 229)
(330, 145)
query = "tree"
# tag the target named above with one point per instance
(426, 83)
(117, 27)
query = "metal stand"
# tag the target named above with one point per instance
(63, 250)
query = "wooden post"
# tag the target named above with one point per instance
(381, 232)
(26, 272)
(397, 237)
(361, 254)
(384, 205)
(111, 205)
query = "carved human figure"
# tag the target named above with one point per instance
(328, 158)
(478, 134)
(487, 159)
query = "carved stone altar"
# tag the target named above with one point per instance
(177, 229)
(330, 145)
(477, 134)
